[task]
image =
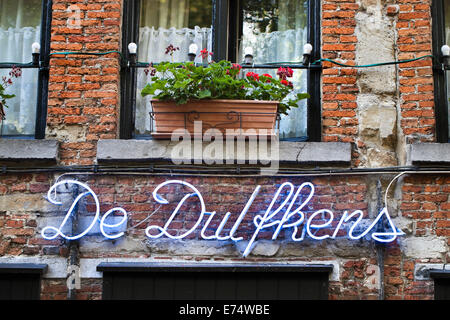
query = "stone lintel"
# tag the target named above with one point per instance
(28, 149)
(429, 153)
(161, 150)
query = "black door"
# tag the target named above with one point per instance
(21, 281)
(442, 289)
(209, 283)
(441, 284)
(19, 286)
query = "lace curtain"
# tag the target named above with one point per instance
(285, 44)
(171, 17)
(19, 28)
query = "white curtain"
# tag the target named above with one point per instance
(16, 39)
(284, 45)
(171, 19)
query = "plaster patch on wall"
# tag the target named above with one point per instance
(373, 279)
(68, 133)
(424, 247)
(18, 203)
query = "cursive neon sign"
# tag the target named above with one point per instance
(287, 215)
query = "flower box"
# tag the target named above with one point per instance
(242, 117)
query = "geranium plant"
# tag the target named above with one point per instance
(182, 82)
(15, 73)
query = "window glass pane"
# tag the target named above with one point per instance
(276, 30)
(20, 22)
(447, 36)
(169, 22)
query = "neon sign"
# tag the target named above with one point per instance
(285, 216)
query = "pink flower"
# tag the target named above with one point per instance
(15, 72)
(150, 70)
(284, 73)
(171, 49)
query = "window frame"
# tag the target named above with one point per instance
(439, 74)
(43, 74)
(221, 49)
(318, 273)
(27, 277)
(441, 280)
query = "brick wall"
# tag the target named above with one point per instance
(84, 98)
(340, 122)
(416, 78)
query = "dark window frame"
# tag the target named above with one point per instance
(441, 283)
(27, 278)
(221, 49)
(439, 74)
(43, 75)
(133, 270)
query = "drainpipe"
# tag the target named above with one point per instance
(73, 270)
(380, 247)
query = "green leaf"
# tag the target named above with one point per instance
(148, 90)
(302, 96)
(204, 94)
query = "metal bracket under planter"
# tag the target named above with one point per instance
(243, 124)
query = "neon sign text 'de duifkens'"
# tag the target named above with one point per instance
(284, 216)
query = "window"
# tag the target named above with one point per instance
(21, 24)
(137, 281)
(441, 284)
(441, 36)
(275, 30)
(21, 281)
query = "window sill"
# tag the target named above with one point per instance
(429, 153)
(24, 149)
(313, 153)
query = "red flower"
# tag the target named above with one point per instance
(236, 66)
(267, 76)
(253, 75)
(204, 53)
(287, 83)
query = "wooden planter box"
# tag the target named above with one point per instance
(245, 115)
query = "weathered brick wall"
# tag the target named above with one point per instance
(367, 32)
(84, 99)
(340, 122)
(416, 78)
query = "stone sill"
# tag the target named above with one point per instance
(428, 153)
(24, 149)
(313, 153)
